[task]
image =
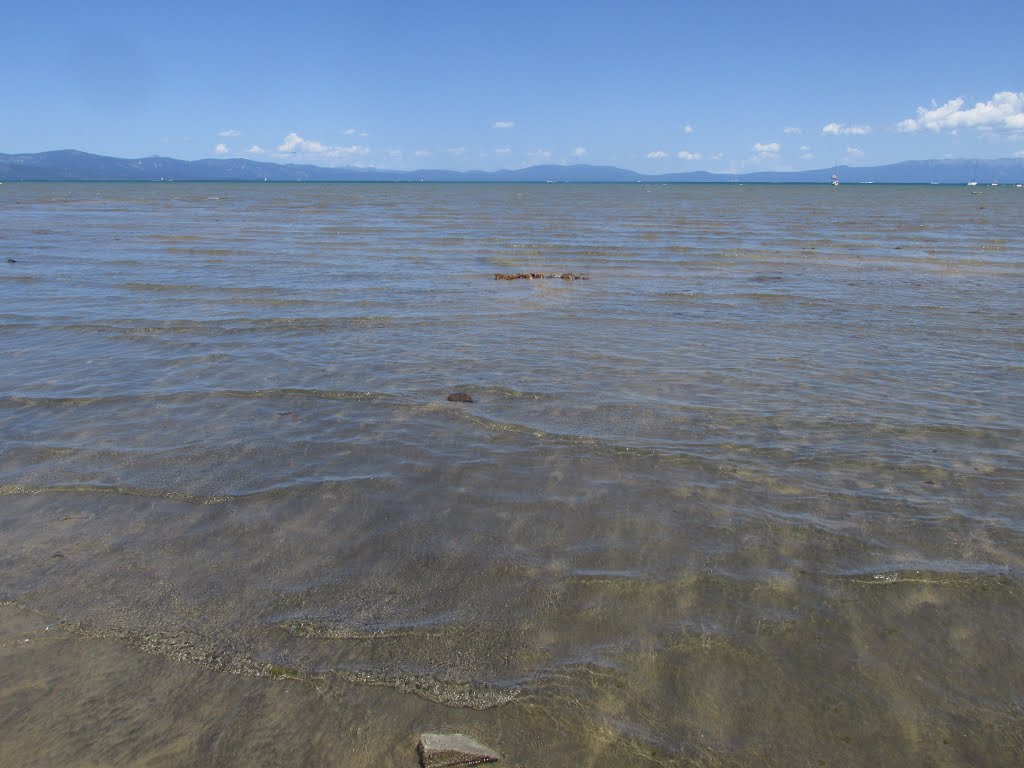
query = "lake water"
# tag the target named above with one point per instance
(749, 495)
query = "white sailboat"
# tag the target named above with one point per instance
(973, 182)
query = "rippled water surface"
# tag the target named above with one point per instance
(750, 495)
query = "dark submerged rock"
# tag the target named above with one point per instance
(441, 750)
(539, 276)
(459, 397)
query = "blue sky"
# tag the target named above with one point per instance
(652, 86)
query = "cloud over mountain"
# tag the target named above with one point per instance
(293, 143)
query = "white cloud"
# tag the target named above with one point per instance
(842, 129)
(1004, 111)
(687, 129)
(505, 124)
(351, 132)
(230, 134)
(805, 148)
(295, 144)
(807, 156)
(422, 153)
(854, 152)
(766, 151)
(502, 151)
(354, 149)
(457, 151)
(256, 149)
(395, 154)
(682, 154)
(791, 130)
(538, 154)
(579, 152)
(221, 149)
(718, 156)
(657, 155)
(1019, 153)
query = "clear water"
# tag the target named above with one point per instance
(750, 495)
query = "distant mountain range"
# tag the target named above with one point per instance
(72, 165)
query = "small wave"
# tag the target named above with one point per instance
(161, 287)
(69, 402)
(194, 648)
(199, 251)
(17, 489)
(328, 629)
(320, 394)
(147, 327)
(176, 238)
(187, 396)
(19, 278)
(951, 574)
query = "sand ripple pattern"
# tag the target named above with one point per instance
(751, 494)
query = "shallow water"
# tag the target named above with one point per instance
(751, 494)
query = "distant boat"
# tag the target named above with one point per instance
(835, 180)
(972, 183)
